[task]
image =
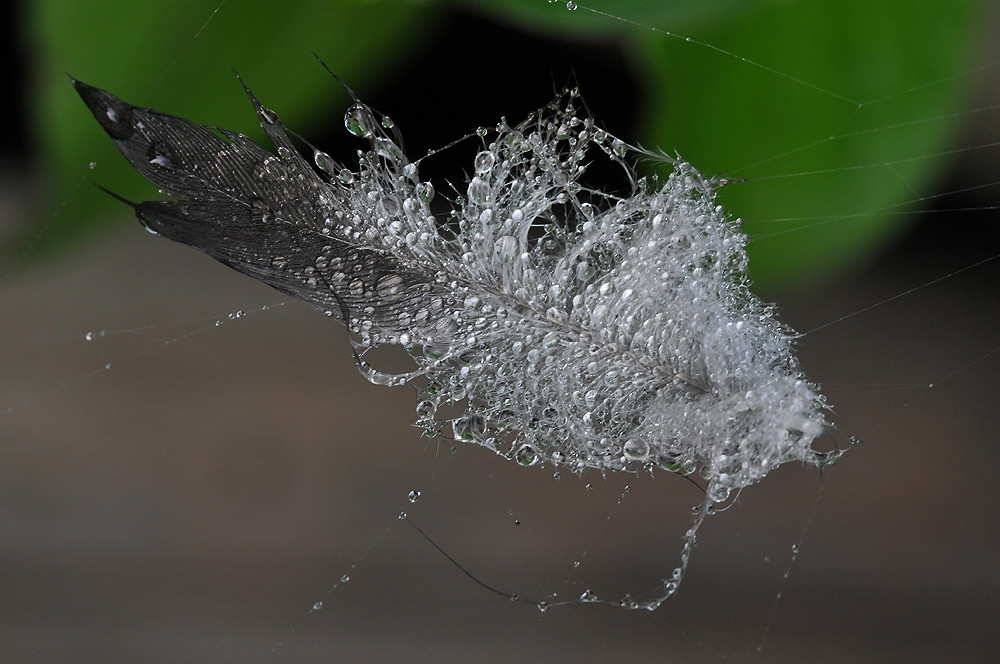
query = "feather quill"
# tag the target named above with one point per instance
(577, 327)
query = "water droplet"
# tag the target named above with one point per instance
(635, 449)
(526, 455)
(92, 165)
(325, 163)
(534, 355)
(402, 516)
(359, 121)
(425, 192)
(588, 596)
(469, 427)
(479, 191)
(718, 492)
(391, 284)
(795, 549)
(389, 150)
(89, 336)
(543, 606)
(484, 162)
(317, 606)
(413, 496)
(345, 578)
(571, 6)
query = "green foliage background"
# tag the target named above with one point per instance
(881, 77)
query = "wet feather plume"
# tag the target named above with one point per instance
(576, 327)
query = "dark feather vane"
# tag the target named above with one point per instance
(258, 213)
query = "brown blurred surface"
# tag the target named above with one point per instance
(194, 500)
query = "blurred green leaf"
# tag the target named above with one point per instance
(839, 135)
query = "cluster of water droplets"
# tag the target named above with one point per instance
(577, 328)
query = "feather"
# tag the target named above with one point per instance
(576, 327)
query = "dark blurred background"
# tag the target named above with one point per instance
(186, 484)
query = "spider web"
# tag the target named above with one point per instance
(193, 463)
